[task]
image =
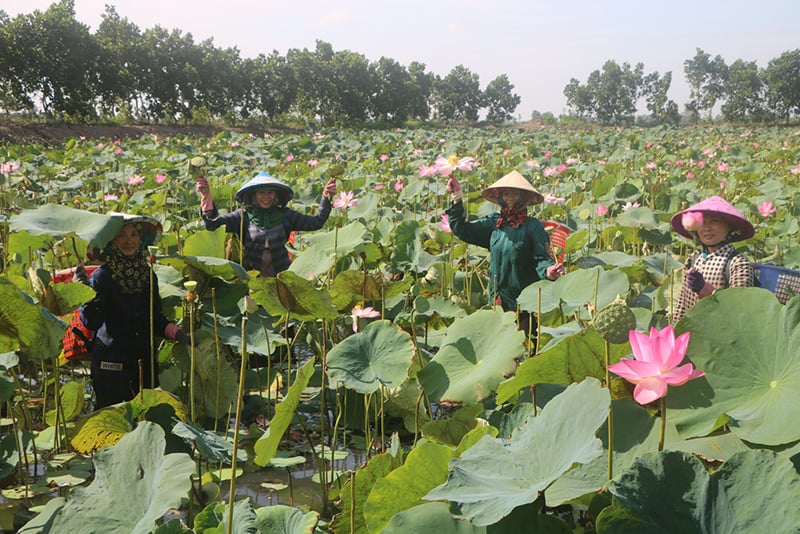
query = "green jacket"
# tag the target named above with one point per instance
(519, 256)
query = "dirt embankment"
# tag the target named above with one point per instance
(31, 132)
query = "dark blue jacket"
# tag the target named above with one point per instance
(122, 329)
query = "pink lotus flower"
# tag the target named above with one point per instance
(160, 178)
(398, 185)
(692, 220)
(345, 201)
(9, 167)
(796, 170)
(110, 197)
(378, 187)
(550, 198)
(766, 208)
(235, 144)
(446, 166)
(650, 165)
(549, 171)
(313, 162)
(118, 151)
(562, 168)
(656, 363)
(290, 157)
(601, 210)
(505, 152)
(723, 184)
(383, 157)
(136, 179)
(100, 146)
(547, 154)
(426, 171)
(628, 205)
(445, 224)
(359, 312)
(722, 167)
(690, 175)
(532, 163)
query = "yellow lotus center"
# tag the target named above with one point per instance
(452, 161)
(773, 384)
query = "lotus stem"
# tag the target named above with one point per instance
(191, 362)
(236, 424)
(219, 351)
(610, 413)
(662, 403)
(152, 323)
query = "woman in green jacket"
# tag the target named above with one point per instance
(518, 243)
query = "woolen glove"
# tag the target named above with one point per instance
(694, 280)
(454, 188)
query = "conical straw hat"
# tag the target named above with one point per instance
(742, 229)
(514, 180)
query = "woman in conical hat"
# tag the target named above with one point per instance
(715, 224)
(120, 314)
(518, 243)
(264, 222)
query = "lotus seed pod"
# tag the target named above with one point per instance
(615, 321)
(190, 287)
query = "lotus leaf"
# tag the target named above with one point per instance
(753, 491)
(495, 476)
(136, 472)
(748, 344)
(478, 352)
(379, 355)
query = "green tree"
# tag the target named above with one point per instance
(707, 79)
(654, 89)
(421, 90)
(500, 100)
(52, 59)
(394, 91)
(119, 68)
(270, 86)
(610, 94)
(782, 78)
(744, 92)
(457, 98)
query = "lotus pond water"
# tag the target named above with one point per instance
(438, 414)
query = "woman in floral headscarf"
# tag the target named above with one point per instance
(715, 224)
(264, 223)
(518, 243)
(120, 313)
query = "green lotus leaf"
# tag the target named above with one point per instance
(754, 491)
(570, 359)
(205, 244)
(430, 517)
(495, 476)
(213, 519)
(379, 355)
(227, 270)
(292, 294)
(478, 352)
(267, 445)
(27, 327)
(424, 469)
(638, 217)
(210, 445)
(365, 477)
(286, 520)
(56, 220)
(575, 290)
(324, 248)
(135, 472)
(748, 344)
(72, 401)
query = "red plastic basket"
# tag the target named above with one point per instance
(558, 238)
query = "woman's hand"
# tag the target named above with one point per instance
(206, 202)
(554, 272)
(454, 188)
(330, 188)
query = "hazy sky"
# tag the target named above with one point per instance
(539, 44)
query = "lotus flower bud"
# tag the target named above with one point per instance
(692, 220)
(190, 287)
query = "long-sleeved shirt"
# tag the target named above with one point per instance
(519, 256)
(265, 249)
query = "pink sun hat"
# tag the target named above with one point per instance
(742, 229)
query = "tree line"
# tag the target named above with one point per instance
(51, 65)
(741, 91)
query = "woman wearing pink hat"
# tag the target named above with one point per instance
(715, 224)
(518, 243)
